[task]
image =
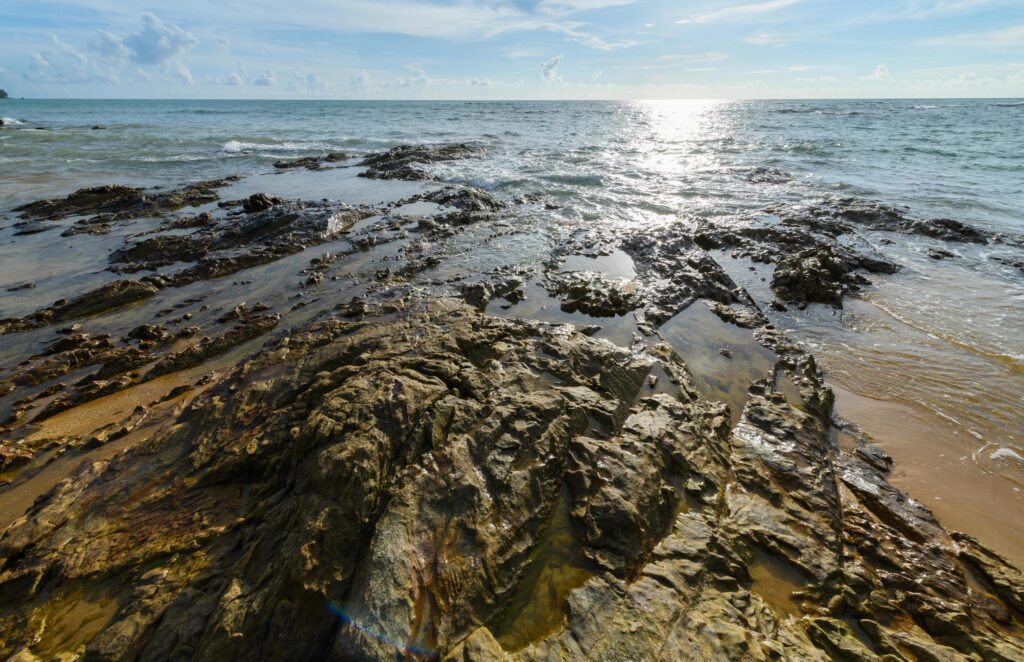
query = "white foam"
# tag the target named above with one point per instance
(4, 121)
(1006, 454)
(239, 147)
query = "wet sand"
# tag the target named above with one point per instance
(932, 466)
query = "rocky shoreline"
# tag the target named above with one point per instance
(283, 428)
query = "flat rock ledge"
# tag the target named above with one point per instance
(433, 483)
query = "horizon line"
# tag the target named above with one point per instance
(517, 100)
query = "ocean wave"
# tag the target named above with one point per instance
(10, 121)
(239, 147)
(172, 159)
(818, 111)
(806, 148)
(931, 151)
(1015, 104)
(575, 180)
(202, 111)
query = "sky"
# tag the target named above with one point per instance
(512, 49)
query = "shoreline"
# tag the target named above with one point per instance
(446, 439)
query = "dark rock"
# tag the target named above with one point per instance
(436, 483)
(402, 162)
(311, 162)
(258, 202)
(816, 275)
(104, 298)
(940, 253)
(466, 198)
(1010, 262)
(251, 327)
(107, 204)
(594, 294)
(153, 332)
(766, 175)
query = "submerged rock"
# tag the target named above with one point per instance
(104, 298)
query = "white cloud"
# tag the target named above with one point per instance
(568, 6)
(1017, 77)
(415, 78)
(311, 84)
(925, 9)
(230, 80)
(816, 79)
(693, 58)
(765, 39)
(1011, 37)
(587, 39)
(158, 42)
(266, 79)
(739, 12)
(881, 73)
(62, 63)
(549, 71)
(360, 80)
(178, 72)
(110, 47)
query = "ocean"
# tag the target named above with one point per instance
(930, 360)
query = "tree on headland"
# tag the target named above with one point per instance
(3, 94)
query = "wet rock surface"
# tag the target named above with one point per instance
(400, 475)
(404, 162)
(101, 206)
(114, 295)
(312, 162)
(243, 452)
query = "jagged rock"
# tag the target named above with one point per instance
(251, 326)
(258, 202)
(106, 297)
(466, 198)
(402, 162)
(432, 482)
(229, 245)
(766, 175)
(594, 294)
(815, 275)
(154, 332)
(940, 253)
(311, 162)
(95, 200)
(107, 204)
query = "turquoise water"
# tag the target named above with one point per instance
(942, 339)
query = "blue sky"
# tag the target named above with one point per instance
(509, 49)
